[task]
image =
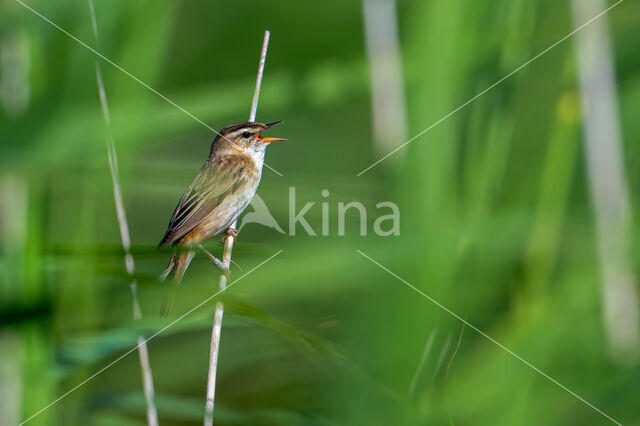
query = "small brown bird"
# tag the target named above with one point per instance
(223, 188)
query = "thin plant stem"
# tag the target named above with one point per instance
(608, 187)
(423, 359)
(388, 103)
(226, 259)
(256, 93)
(143, 352)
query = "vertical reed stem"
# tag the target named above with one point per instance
(143, 352)
(605, 168)
(226, 259)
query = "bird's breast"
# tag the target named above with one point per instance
(246, 177)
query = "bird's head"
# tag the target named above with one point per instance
(245, 136)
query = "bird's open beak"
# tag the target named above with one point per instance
(268, 139)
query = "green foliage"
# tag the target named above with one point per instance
(496, 221)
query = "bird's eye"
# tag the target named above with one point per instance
(246, 135)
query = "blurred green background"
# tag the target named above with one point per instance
(496, 223)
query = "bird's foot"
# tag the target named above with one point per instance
(231, 232)
(216, 262)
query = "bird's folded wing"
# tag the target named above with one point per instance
(206, 192)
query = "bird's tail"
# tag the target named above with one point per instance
(178, 264)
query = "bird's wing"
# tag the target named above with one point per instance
(204, 195)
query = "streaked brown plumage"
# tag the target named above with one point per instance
(223, 188)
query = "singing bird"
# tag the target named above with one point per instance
(219, 193)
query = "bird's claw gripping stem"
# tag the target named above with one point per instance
(231, 232)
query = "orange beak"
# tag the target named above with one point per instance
(268, 139)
